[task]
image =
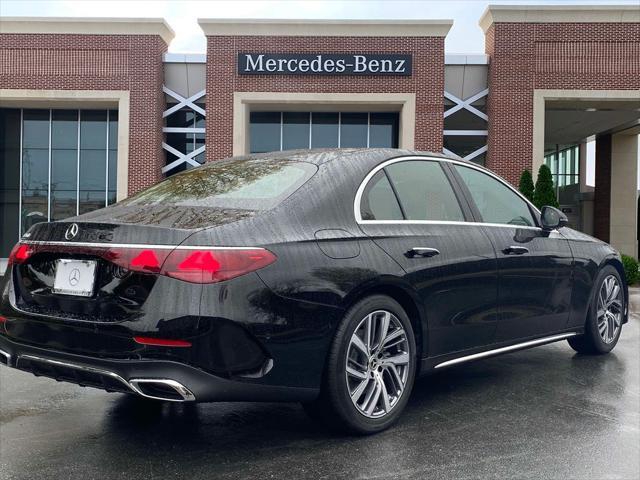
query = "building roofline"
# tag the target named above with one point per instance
(558, 14)
(88, 26)
(324, 28)
(466, 59)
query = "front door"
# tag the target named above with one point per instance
(411, 211)
(535, 266)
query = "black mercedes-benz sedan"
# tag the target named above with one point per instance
(328, 277)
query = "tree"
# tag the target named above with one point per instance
(526, 185)
(545, 193)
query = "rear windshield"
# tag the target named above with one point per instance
(241, 184)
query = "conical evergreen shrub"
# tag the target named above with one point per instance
(526, 185)
(545, 193)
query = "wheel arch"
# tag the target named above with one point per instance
(615, 262)
(408, 300)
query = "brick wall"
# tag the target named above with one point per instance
(98, 62)
(427, 81)
(528, 56)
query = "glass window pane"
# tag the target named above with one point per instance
(200, 120)
(93, 129)
(35, 169)
(295, 130)
(185, 117)
(378, 200)
(34, 208)
(424, 191)
(324, 130)
(353, 130)
(36, 129)
(383, 130)
(252, 185)
(113, 129)
(9, 178)
(64, 164)
(264, 132)
(481, 104)
(496, 202)
(63, 183)
(64, 129)
(92, 179)
(464, 145)
(91, 200)
(113, 170)
(464, 120)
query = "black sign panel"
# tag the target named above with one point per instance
(323, 64)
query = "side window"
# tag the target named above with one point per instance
(424, 191)
(496, 202)
(378, 200)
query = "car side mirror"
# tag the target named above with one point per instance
(552, 218)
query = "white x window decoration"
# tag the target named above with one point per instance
(183, 102)
(466, 105)
(182, 158)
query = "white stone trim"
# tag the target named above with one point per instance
(558, 14)
(88, 26)
(82, 99)
(324, 28)
(540, 97)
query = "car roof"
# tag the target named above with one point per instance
(321, 156)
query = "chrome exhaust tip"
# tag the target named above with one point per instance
(5, 358)
(161, 389)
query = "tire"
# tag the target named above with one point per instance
(594, 341)
(384, 371)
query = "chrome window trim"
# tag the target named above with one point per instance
(360, 191)
(135, 245)
(509, 348)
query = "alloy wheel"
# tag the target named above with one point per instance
(377, 365)
(609, 317)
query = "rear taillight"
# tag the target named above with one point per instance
(162, 342)
(20, 253)
(191, 264)
(210, 266)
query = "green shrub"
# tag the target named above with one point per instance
(526, 185)
(544, 193)
(631, 269)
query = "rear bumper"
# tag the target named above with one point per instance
(156, 379)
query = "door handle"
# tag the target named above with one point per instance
(512, 250)
(424, 252)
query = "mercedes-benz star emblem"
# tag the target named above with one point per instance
(74, 277)
(72, 231)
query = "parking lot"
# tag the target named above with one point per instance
(541, 413)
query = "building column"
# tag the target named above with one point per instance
(602, 192)
(623, 228)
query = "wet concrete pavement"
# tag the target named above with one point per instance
(542, 413)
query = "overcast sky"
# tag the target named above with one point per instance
(464, 37)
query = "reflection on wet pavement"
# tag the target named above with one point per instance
(541, 413)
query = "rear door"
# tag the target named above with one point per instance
(410, 209)
(535, 266)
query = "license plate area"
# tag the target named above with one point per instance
(75, 277)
